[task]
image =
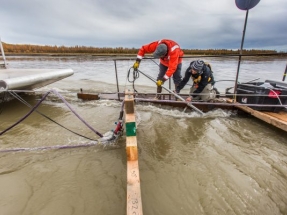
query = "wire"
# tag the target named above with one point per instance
(37, 105)
(136, 75)
(277, 97)
(30, 106)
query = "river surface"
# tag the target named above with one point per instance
(222, 163)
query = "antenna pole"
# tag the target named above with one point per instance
(239, 60)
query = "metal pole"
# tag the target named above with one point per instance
(239, 60)
(176, 95)
(284, 76)
(116, 71)
(2, 51)
(169, 87)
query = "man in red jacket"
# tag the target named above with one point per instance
(170, 55)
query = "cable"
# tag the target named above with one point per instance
(37, 105)
(277, 97)
(135, 76)
(30, 106)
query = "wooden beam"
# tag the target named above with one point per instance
(88, 96)
(276, 119)
(134, 202)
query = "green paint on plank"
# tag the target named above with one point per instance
(131, 129)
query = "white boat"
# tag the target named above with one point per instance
(28, 79)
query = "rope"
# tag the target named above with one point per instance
(106, 139)
(27, 104)
(61, 97)
(37, 105)
(135, 76)
(47, 147)
(277, 97)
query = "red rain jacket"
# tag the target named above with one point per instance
(171, 60)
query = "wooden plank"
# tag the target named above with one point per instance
(267, 117)
(88, 96)
(134, 201)
(282, 115)
(129, 102)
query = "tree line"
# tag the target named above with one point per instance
(46, 49)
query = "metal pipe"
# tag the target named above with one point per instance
(2, 51)
(223, 55)
(239, 60)
(176, 95)
(216, 103)
(116, 71)
(169, 84)
(284, 76)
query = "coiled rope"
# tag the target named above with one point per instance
(135, 76)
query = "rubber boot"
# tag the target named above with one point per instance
(158, 96)
(175, 87)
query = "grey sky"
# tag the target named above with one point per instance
(194, 24)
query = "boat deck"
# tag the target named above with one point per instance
(278, 120)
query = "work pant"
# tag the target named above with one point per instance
(176, 75)
(208, 93)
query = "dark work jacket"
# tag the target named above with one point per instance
(206, 73)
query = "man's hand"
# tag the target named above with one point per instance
(189, 99)
(136, 64)
(159, 83)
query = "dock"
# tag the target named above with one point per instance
(278, 120)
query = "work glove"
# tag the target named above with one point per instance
(159, 83)
(136, 64)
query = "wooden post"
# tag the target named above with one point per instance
(134, 202)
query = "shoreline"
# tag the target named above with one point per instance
(147, 56)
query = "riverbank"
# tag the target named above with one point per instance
(132, 56)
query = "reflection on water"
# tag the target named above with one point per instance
(222, 163)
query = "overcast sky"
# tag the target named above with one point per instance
(194, 24)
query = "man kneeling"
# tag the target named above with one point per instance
(203, 81)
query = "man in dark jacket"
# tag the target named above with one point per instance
(203, 81)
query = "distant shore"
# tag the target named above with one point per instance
(47, 50)
(133, 56)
